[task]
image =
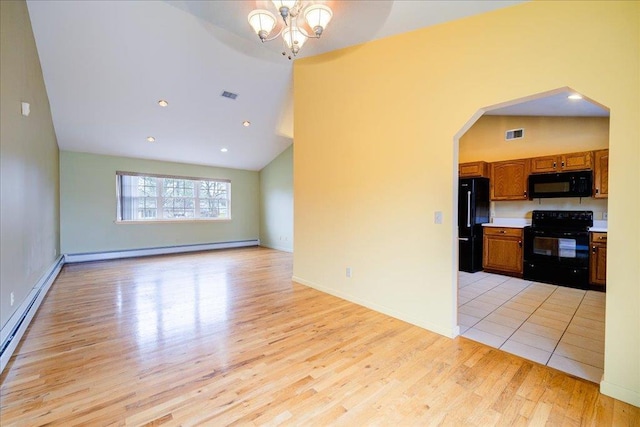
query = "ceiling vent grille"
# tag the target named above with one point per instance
(514, 134)
(229, 95)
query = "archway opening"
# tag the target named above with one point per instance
(547, 318)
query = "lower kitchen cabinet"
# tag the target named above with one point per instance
(503, 250)
(598, 260)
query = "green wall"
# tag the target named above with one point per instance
(88, 206)
(276, 202)
(29, 220)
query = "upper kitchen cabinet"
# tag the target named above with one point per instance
(577, 161)
(473, 170)
(601, 174)
(509, 179)
(562, 162)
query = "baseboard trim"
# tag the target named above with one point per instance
(165, 250)
(630, 396)
(12, 332)
(447, 332)
(276, 247)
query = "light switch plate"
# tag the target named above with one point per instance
(437, 217)
(26, 109)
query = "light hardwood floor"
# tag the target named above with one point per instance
(225, 338)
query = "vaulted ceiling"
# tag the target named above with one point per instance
(106, 64)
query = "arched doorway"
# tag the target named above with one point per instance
(497, 304)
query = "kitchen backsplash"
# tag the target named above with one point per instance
(523, 209)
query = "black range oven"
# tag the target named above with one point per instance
(556, 248)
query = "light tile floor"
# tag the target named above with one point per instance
(553, 325)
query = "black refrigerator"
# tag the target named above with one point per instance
(473, 211)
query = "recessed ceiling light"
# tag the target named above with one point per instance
(224, 150)
(575, 96)
(151, 139)
(163, 103)
(246, 123)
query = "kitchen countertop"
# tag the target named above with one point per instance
(598, 226)
(508, 222)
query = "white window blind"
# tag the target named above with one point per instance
(143, 197)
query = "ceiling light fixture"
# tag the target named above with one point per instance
(575, 96)
(224, 150)
(151, 139)
(317, 17)
(246, 123)
(163, 103)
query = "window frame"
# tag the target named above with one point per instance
(159, 199)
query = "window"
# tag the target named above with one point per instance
(170, 198)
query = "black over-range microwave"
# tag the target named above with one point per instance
(564, 184)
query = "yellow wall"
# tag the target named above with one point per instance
(542, 136)
(375, 155)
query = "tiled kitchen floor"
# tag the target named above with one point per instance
(553, 325)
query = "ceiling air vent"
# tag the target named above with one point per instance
(514, 134)
(229, 95)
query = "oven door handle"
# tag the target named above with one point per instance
(552, 234)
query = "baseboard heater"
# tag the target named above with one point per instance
(18, 323)
(165, 250)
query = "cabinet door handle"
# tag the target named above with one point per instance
(502, 231)
(593, 249)
(520, 243)
(597, 190)
(525, 194)
(602, 237)
(563, 163)
(554, 165)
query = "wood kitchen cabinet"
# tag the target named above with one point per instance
(598, 260)
(509, 179)
(562, 162)
(601, 174)
(473, 170)
(503, 250)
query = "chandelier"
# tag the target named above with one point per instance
(317, 16)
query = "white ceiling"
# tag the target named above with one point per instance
(107, 63)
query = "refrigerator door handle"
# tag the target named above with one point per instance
(468, 208)
(463, 239)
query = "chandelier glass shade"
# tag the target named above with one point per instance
(316, 16)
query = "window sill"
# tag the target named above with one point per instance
(172, 221)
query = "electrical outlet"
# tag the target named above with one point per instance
(348, 271)
(605, 216)
(12, 299)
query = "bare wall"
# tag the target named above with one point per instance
(376, 155)
(276, 202)
(88, 206)
(29, 212)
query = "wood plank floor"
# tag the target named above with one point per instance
(225, 338)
